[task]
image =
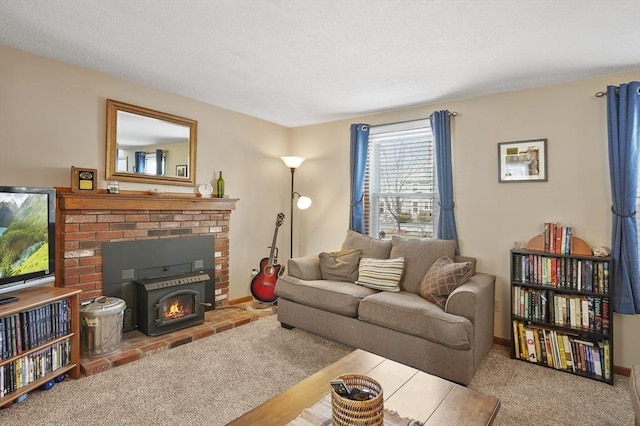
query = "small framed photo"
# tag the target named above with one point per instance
(522, 161)
(181, 170)
(83, 179)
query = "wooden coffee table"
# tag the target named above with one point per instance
(409, 392)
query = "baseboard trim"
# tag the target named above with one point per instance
(502, 342)
(241, 300)
(623, 371)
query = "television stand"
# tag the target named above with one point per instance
(10, 299)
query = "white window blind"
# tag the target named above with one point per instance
(401, 184)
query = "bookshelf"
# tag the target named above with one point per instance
(40, 340)
(561, 308)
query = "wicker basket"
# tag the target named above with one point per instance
(348, 412)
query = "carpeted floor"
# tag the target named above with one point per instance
(213, 380)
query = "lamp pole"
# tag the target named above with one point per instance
(293, 170)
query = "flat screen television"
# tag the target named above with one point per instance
(27, 237)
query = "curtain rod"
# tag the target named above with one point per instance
(451, 114)
(600, 94)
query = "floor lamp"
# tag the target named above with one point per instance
(303, 202)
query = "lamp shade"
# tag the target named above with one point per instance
(304, 202)
(292, 162)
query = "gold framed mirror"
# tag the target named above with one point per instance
(148, 146)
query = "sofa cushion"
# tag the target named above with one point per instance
(338, 297)
(305, 268)
(380, 274)
(442, 278)
(371, 247)
(419, 255)
(340, 265)
(409, 313)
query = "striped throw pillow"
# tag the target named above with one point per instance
(380, 274)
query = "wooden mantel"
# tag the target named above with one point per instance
(139, 200)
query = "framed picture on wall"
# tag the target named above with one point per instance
(181, 170)
(522, 161)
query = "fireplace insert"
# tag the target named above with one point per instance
(168, 304)
(128, 263)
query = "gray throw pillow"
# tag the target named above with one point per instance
(371, 247)
(340, 265)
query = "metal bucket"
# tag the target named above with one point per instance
(101, 326)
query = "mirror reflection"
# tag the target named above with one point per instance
(144, 145)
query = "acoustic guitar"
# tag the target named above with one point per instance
(263, 285)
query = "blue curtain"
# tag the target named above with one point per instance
(623, 119)
(359, 147)
(160, 162)
(446, 225)
(140, 161)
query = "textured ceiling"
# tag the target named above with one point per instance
(302, 62)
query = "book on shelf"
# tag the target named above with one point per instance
(34, 366)
(531, 345)
(515, 343)
(561, 351)
(556, 238)
(573, 274)
(25, 330)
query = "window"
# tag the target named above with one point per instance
(400, 187)
(151, 163)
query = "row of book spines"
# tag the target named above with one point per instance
(34, 366)
(29, 329)
(557, 239)
(587, 313)
(580, 312)
(574, 274)
(561, 351)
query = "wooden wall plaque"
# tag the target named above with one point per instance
(84, 179)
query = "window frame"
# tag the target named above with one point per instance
(420, 223)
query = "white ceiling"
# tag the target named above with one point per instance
(301, 62)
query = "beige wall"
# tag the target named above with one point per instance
(490, 215)
(52, 116)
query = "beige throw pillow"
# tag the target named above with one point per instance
(442, 278)
(380, 274)
(340, 265)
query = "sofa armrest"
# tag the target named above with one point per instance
(474, 300)
(472, 260)
(305, 268)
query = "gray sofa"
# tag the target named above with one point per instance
(448, 341)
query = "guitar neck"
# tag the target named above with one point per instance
(273, 247)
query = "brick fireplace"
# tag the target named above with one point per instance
(85, 221)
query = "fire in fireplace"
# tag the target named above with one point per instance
(168, 304)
